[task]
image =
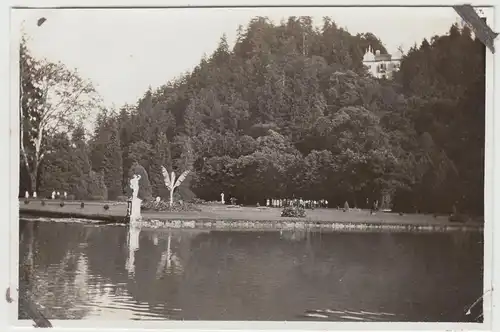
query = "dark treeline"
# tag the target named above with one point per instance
(290, 111)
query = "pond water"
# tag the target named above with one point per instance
(77, 271)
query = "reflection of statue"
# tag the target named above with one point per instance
(133, 246)
(169, 261)
(171, 182)
(293, 235)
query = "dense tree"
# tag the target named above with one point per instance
(96, 187)
(290, 111)
(58, 167)
(106, 154)
(68, 169)
(446, 80)
(81, 165)
(52, 99)
(161, 157)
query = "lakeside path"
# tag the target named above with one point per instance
(224, 213)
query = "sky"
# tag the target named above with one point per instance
(125, 51)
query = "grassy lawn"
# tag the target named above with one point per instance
(225, 212)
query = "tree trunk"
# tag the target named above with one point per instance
(32, 182)
(33, 177)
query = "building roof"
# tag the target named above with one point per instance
(370, 56)
(383, 57)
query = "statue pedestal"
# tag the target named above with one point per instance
(135, 213)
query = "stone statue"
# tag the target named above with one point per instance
(26, 195)
(34, 194)
(135, 213)
(134, 184)
(222, 198)
(53, 195)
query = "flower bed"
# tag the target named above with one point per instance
(293, 212)
(165, 206)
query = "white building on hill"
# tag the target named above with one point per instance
(380, 65)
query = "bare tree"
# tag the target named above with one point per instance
(401, 51)
(52, 99)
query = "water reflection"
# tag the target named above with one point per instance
(169, 261)
(294, 235)
(111, 272)
(133, 246)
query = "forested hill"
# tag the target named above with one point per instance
(290, 111)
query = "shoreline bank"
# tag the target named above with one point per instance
(245, 218)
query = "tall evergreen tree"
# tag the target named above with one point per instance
(161, 158)
(58, 169)
(106, 155)
(81, 164)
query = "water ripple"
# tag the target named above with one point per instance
(347, 315)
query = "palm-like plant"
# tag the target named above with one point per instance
(171, 182)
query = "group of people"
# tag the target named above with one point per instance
(307, 204)
(57, 194)
(27, 194)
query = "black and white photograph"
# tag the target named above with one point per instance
(268, 164)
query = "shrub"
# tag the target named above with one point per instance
(43, 202)
(458, 218)
(122, 198)
(26, 201)
(106, 207)
(199, 201)
(81, 189)
(293, 211)
(178, 206)
(82, 205)
(185, 193)
(97, 198)
(61, 204)
(97, 187)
